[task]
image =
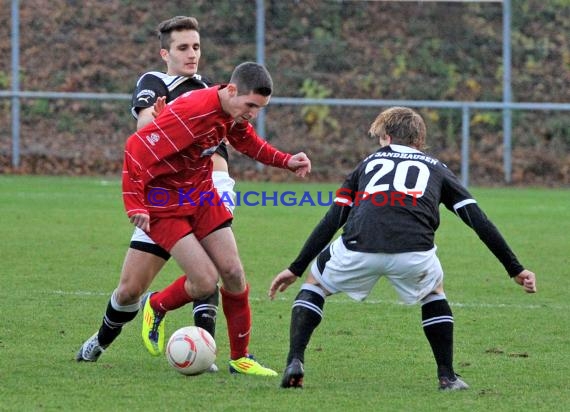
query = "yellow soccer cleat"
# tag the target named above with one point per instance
(247, 365)
(152, 328)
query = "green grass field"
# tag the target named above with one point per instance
(63, 242)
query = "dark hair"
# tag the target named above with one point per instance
(177, 23)
(252, 77)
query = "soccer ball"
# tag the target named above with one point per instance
(191, 350)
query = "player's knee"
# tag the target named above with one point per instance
(203, 287)
(433, 296)
(233, 276)
(127, 294)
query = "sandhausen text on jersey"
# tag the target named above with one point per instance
(408, 156)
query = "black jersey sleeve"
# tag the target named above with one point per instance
(148, 89)
(474, 217)
(320, 237)
(458, 199)
(334, 219)
(222, 150)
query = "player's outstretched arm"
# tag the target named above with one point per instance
(281, 282)
(300, 164)
(527, 280)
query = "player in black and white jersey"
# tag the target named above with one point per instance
(180, 50)
(388, 208)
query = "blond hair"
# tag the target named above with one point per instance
(402, 124)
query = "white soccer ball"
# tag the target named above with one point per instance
(191, 350)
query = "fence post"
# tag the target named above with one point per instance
(465, 145)
(507, 92)
(260, 51)
(15, 43)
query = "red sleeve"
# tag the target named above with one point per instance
(145, 154)
(244, 139)
(133, 187)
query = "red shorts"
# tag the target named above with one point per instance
(166, 231)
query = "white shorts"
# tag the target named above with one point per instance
(414, 275)
(223, 184)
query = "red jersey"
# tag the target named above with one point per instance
(167, 167)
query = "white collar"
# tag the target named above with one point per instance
(403, 149)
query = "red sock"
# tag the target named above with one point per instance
(238, 316)
(171, 297)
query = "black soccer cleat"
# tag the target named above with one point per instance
(293, 375)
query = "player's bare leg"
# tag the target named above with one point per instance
(139, 270)
(222, 248)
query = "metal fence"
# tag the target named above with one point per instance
(506, 105)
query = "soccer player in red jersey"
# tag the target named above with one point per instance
(168, 193)
(180, 49)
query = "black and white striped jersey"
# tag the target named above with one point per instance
(152, 85)
(394, 195)
(390, 204)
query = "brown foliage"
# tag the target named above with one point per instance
(360, 50)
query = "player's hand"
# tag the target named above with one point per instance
(141, 220)
(300, 164)
(281, 282)
(158, 106)
(527, 280)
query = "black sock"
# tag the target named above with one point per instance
(437, 321)
(205, 311)
(115, 318)
(306, 314)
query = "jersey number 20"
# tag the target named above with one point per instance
(400, 176)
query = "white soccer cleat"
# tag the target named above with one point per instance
(90, 350)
